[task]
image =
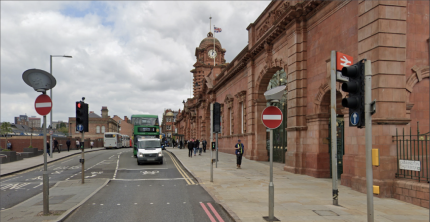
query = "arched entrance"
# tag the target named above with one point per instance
(340, 150)
(279, 134)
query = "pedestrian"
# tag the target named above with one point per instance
(204, 146)
(180, 144)
(190, 149)
(92, 144)
(68, 144)
(48, 147)
(173, 143)
(9, 145)
(196, 146)
(239, 148)
(77, 144)
(200, 148)
(56, 145)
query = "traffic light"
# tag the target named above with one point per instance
(216, 117)
(355, 88)
(81, 116)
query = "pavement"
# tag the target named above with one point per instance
(243, 193)
(64, 196)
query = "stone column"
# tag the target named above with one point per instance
(297, 86)
(381, 39)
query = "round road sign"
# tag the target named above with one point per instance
(272, 117)
(43, 105)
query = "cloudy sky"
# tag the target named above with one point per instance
(133, 57)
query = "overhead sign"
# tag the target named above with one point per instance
(43, 105)
(342, 60)
(272, 117)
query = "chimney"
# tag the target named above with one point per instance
(105, 112)
(126, 119)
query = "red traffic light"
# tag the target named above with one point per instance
(78, 105)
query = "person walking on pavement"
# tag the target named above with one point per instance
(204, 146)
(48, 147)
(68, 144)
(190, 149)
(200, 148)
(56, 145)
(196, 146)
(77, 144)
(239, 153)
(92, 144)
(180, 144)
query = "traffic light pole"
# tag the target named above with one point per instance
(82, 157)
(368, 122)
(333, 128)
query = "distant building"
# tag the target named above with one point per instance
(34, 122)
(97, 125)
(125, 126)
(22, 120)
(167, 124)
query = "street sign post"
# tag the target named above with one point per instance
(43, 105)
(272, 119)
(342, 60)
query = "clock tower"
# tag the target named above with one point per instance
(209, 50)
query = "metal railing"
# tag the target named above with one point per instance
(413, 148)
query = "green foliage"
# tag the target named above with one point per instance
(5, 128)
(5, 150)
(64, 130)
(30, 146)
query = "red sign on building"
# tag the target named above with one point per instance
(343, 60)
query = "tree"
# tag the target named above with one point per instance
(64, 130)
(4, 130)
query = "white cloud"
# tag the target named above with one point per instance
(133, 57)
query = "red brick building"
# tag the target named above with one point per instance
(290, 44)
(97, 125)
(125, 126)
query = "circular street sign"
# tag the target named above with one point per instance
(43, 105)
(272, 117)
(51, 132)
(354, 118)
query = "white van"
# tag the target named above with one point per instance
(149, 150)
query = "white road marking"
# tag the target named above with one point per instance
(39, 185)
(151, 203)
(118, 204)
(168, 203)
(14, 186)
(101, 204)
(144, 169)
(135, 203)
(150, 179)
(117, 164)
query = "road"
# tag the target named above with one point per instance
(24, 185)
(149, 192)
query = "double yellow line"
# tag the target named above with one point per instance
(181, 171)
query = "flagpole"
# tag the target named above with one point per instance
(214, 47)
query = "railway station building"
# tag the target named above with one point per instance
(290, 44)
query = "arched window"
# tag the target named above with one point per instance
(103, 129)
(98, 129)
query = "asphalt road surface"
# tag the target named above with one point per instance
(149, 192)
(19, 187)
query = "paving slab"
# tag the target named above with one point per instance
(244, 193)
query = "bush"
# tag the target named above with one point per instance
(30, 146)
(5, 150)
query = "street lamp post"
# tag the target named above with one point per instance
(50, 94)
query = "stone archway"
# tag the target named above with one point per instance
(259, 151)
(417, 101)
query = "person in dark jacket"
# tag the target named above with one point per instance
(196, 146)
(56, 145)
(180, 144)
(239, 148)
(190, 148)
(68, 145)
(48, 147)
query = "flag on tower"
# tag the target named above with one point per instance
(216, 30)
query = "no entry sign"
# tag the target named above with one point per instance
(43, 105)
(272, 117)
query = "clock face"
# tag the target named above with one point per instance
(212, 53)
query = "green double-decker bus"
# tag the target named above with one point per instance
(145, 126)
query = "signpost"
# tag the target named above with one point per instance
(272, 119)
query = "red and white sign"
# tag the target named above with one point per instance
(272, 117)
(43, 105)
(343, 60)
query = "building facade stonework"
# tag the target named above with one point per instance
(297, 37)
